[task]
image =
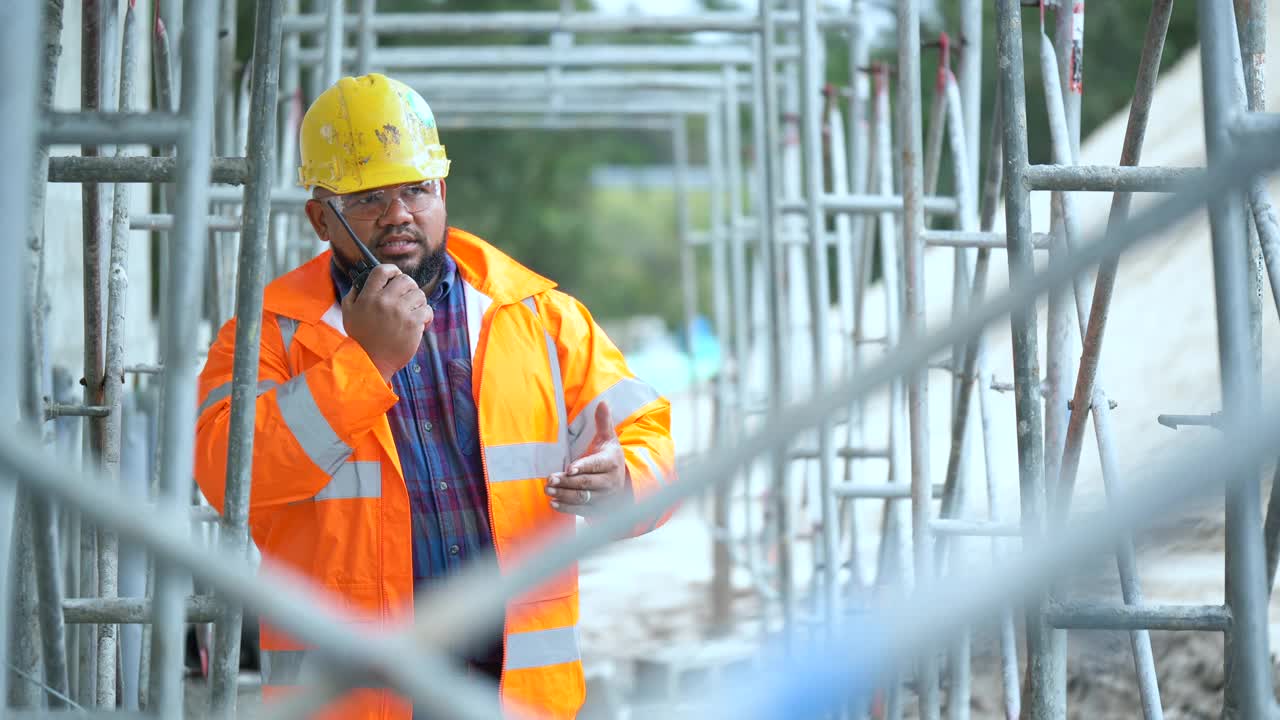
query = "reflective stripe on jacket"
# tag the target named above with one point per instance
(328, 498)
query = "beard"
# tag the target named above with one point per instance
(423, 272)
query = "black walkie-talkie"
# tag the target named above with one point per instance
(361, 271)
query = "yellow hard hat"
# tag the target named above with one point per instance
(367, 132)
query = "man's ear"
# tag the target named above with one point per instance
(444, 191)
(315, 213)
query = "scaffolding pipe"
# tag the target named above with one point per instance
(138, 169)
(778, 368)
(251, 279)
(44, 525)
(1042, 668)
(521, 56)
(811, 66)
(1248, 687)
(462, 23)
(179, 333)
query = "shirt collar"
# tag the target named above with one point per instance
(448, 278)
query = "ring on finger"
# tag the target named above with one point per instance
(586, 497)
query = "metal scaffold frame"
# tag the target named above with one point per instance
(792, 450)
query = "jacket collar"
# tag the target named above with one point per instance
(306, 292)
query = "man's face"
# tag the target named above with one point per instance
(404, 225)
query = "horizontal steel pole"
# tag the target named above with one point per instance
(1098, 616)
(978, 239)
(435, 82)
(1109, 178)
(111, 128)
(78, 715)
(137, 169)
(428, 23)
(284, 598)
(635, 107)
(165, 222)
(1174, 421)
(144, 369)
(511, 56)
(133, 610)
(852, 453)
(871, 204)
(483, 121)
(55, 409)
(877, 491)
(974, 528)
(1256, 122)
(294, 196)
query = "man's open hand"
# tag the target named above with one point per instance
(598, 478)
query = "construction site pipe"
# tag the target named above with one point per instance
(20, 41)
(251, 277)
(435, 82)
(909, 125)
(872, 204)
(1026, 366)
(134, 610)
(1108, 178)
(1248, 686)
(43, 525)
(284, 599)
(110, 128)
(138, 169)
(428, 23)
(521, 56)
(179, 335)
(980, 239)
(771, 255)
(1139, 618)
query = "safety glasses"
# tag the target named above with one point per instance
(373, 204)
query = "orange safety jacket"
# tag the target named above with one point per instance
(328, 497)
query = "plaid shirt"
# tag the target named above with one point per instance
(448, 500)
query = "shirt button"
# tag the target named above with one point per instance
(417, 368)
(444, 486)
(427, 426)
(453, 549)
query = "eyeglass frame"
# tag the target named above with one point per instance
(344, 201)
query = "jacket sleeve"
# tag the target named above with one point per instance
(593, 370)
(305, 425)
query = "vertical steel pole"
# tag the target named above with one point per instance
(917, 384)
(1252, 39)
(1045, 704)
(44, 529)
(812, 63)
(20, 25)
(725, 403)
(333, 41)
(739, 301)
(1248, 691)
(969, 74)
(251, 280)
(180, 336)
(365, 37)
(773, 256)
(91, 195)
(113, 377)
(892, 560)
(688, 261)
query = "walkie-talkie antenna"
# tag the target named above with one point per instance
(360, 273)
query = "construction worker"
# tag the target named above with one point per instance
(455, 407)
